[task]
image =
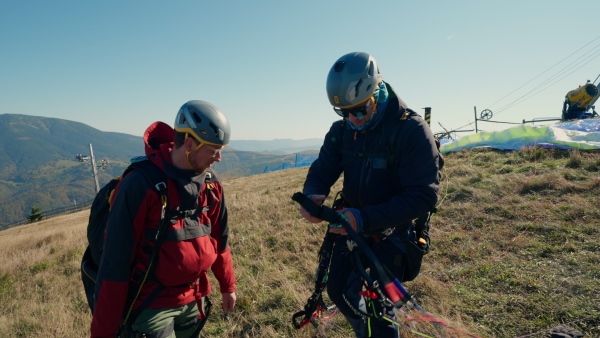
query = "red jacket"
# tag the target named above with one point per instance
(198, 240)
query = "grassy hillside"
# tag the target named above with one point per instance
(246, 163)
(516, 252)
(29, 142)
(38, 166)
(56, 184)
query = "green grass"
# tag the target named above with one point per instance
(515, 252)
(528, 257)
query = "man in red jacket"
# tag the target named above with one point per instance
(172, 300)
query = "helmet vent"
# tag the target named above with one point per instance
(339, 66)
(196, 117)
(182, 119)
(371, 69)
(216, 131)
(357, 88)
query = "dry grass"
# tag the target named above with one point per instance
(516, 252)
(40, 290)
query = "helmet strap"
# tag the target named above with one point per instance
(373, 105)
(187, 153)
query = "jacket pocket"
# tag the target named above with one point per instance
(183, 262)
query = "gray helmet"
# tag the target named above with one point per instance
(352, 79)
(204, 121)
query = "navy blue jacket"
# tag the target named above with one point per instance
(391, 181)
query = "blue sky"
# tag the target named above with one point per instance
(121, 65)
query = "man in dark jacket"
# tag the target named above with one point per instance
(389, 160)
(196, 239)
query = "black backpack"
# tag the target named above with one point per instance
(99, 216)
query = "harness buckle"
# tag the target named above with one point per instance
(160, 186)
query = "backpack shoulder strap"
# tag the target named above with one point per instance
(209, 181)
(152, 173)
(391, 139)
(158, 179)
(404, 116)
(421, 223)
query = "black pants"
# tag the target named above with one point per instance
(345, 283)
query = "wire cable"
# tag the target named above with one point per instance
(547, 82)
(575, 52)
(567, 70)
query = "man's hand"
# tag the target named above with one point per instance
(228, 301)
(352, 216)
(318, 199)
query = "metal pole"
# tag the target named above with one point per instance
(94, 169)
(428, 115)
(475, 109)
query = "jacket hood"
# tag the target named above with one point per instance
(159, 133)
(155, 135)
(394, 103)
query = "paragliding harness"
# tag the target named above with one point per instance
(95, 232)
(315, 306)
(388, 290)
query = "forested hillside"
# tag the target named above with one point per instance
(38, 165)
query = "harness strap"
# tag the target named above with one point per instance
(177, 235)
(315, 304)
(135, 313)
(162, 190)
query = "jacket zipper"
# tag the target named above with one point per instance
(363, 170)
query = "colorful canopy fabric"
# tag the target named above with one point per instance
(582, 134)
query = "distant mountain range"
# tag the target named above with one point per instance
(38, 165)
(278, 146)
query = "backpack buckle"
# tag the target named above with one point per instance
(160, 186)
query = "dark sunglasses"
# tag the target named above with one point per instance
(354, 111)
